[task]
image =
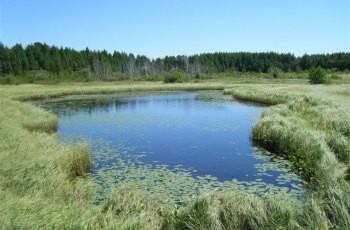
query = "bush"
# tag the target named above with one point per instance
(173, 78)
(318, 76)
(154, 77)
(8, 81)
(276, 72)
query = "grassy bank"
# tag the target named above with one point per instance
(309, 125)
(43, 184)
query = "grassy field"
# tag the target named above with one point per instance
(43, 184)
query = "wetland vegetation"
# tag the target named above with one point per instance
(174, 115)
(46, 183)
(173, 144)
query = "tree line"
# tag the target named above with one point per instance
(19, 60)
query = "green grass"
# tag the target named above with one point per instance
(235, 210)
(310, 127)
(309, 122)
(43, 183)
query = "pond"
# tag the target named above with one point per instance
(172, 144)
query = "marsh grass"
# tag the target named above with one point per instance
(287, 134)
(310, 127)
(42, 184)
(77, 162)
(235, 210)
(136, 207)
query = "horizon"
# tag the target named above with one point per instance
(157, 29)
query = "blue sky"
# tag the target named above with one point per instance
(168, 27)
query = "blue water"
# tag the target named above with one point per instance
(205, 132)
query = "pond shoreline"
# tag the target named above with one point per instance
(72, 196)
(211, 113)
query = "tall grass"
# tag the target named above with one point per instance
(310, 127)
(43, 183)
(235, 210)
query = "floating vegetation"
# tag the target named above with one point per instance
(130, 163)
(35, 193)
(175, 185)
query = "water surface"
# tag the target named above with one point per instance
(196, 134)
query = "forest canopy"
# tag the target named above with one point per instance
(18, 60)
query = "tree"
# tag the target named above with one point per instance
(40, 56)
(101, 69)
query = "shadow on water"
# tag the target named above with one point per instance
(175, 144)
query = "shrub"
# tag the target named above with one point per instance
(276, 72)
(173, 77)
(318, 76)
(154, 77)
(8, 80)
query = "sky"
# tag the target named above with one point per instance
(175, 27)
